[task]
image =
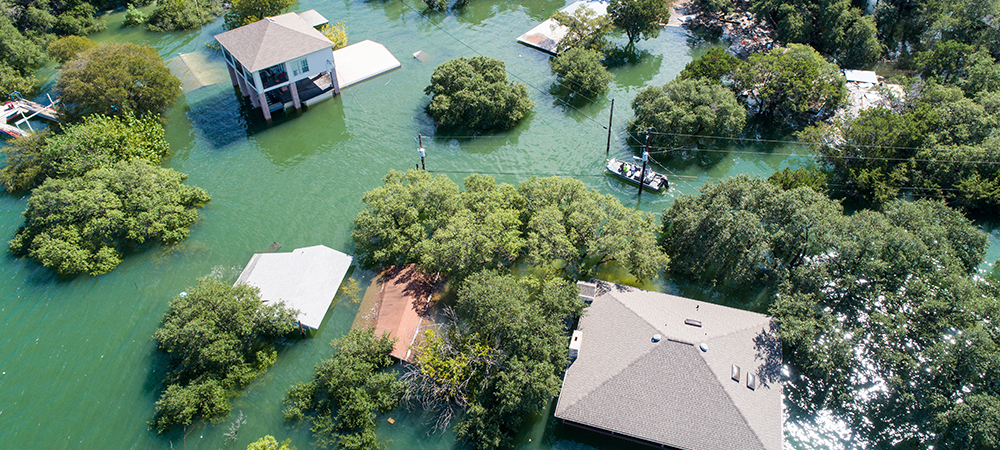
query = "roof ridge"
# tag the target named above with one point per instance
(729, 399)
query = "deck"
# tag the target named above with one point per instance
(310, 89)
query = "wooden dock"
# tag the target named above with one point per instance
(25, 109)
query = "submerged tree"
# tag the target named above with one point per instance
(245, 12)
(474, 93)
(218, 339)
(347, 391)
(685, 109)
(641, 19)
(584, 29)
(580, 72)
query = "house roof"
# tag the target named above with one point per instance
(306, 279)
(313, 18)
(861, 76)
(273, 40)
(671, 392)
(404, 304)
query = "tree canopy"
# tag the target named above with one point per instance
(218, 338)
(640, 19)
(715, 65)
(580, 72)
(417, 218)
(85, 224)
(882, 323)
(584, 29)
(793, 84)
(500, 359)
(97, 142)
(245, 12)
(474, 93)
(179, 15)
(684, 109)
(116, 79)
(347, 391)
(833, 27)
(68, 47)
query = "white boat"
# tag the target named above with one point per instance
(631, 172)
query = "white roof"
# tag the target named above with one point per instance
(306, 279)
(861, 76)
(546, 36)
(358, 62)
(313, 18)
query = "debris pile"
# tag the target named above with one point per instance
(747, 35)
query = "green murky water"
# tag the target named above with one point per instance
(75, 355)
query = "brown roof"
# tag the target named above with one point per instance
(273, 40)
(405, 303)
(671, 392)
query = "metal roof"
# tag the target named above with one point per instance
(306, 279)
(861, 76)
(273, 40)
(313, 18)
(672, 392)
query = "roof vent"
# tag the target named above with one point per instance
(656, 338)
(751, 382)
(736, 373)
(587, 291)
(703, 347)
(692, 322)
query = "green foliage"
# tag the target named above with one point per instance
(179, 15)
(640, 19)
(580, 71)
(885, 297)
(584, 29)
(245, 12)
(11, 80)
(416, 218)
(502, 360)
(68, 47)
(939, 146)
(474, 93)
(687, 107)
(795, 84)
(218, 338)
(84, 224)
(117, 79)
(725, 6)
(833, 27)
(97, 142)
(347, 391)
(436, 5)
(17, 51)
(336, 34)
(809, 177)
(269, 443)
(134, 17)
(715, 65)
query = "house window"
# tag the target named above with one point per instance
(300, 67)
(229, 57)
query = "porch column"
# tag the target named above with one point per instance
(243, 86)
(333, 81)
(264, 106)
(232, 75)
(295, 95)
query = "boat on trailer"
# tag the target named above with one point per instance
(631, 172)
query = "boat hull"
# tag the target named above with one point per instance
(654, 182)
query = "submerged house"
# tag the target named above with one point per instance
(672, 372)
(281, 61)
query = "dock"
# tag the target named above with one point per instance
(25, 109)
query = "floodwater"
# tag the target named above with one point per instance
(77, 362)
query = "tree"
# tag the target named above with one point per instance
(336, 34)
(17, 51)
(584, 29)
(881, 322)
(859, 45)
(347, 391)
(641, 19)
(245, 12)
(179, 15)
(716, 65)
(68, 47)
(580, 71)
(793, 83)
(117, 79)
(502, 360)
(810, 177)
(97, 142)
(686, 109)
(12, 81)
(833, 27)
(218, 338)
(134, 17)
(85, 224)
(474, 93)
(269, 443)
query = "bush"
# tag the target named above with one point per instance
(245, 12)
(117, 79)
(134, 17)
(68, 47)
(336, 34)
(580, 71)
(474, 93)
(177, 15)
(12, 81)
(687, 107)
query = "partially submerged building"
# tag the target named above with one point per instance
(867, 90)
(399, 302)
(673, 372)
(306, 279)
(546, 36)
(281, 59)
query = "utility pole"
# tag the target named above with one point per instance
(645, 157)
(607, 150)
(420, 139)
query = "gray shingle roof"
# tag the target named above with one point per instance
(671, 392)
(273, 40)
